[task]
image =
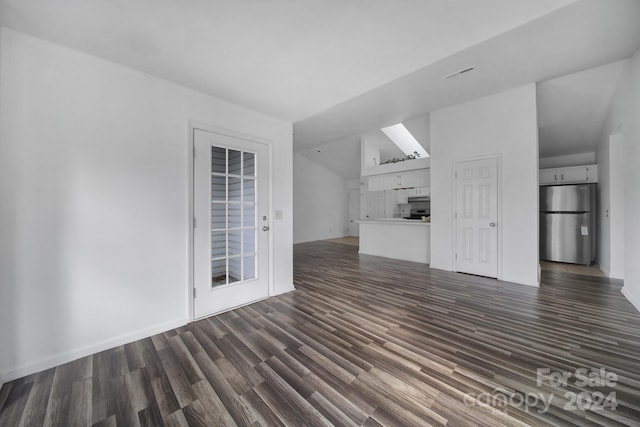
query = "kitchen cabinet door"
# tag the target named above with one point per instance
(548, 176)
(390, 182)
(412, 179)
(592, 173)
(574, 174)
(579, 174)
(422, 191)
(423, 178)
(408, 180)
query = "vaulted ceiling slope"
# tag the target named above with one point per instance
(290, 59)
(583, 35)
(572, 110)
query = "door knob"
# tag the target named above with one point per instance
(265, 228)
(492, 224)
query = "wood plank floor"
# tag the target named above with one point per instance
(584, 270)
(362, 341)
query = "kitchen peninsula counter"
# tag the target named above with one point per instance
(397, 238)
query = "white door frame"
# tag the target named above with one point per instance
(193, 125)
(454, 201)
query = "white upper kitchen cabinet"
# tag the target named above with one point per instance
(423, 179)
(569, 175)
(394, 181)
(548, 176)
(404, 194)
(419, 192)
(391, 182)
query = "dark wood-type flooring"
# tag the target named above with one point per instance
(362, 341)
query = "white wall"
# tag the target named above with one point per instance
(602, 220)
(94, 192)
(631, 134)
(610, 217)
(504, 124)
(619, 180)
(616, 212)
(320, 209)
(611, 172)
(568, 160)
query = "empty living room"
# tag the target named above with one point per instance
(287, 213)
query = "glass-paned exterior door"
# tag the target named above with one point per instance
(236, 202)
(233, 216)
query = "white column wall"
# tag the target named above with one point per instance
(503, 125)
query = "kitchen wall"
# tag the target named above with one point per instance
(504, 124)
(320, 197)
(94, 201)
(619, 175)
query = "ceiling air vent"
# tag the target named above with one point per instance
(462, 71)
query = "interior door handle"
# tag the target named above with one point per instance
(492, 224)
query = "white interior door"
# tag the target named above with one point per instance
(231, 233)
(476, 222)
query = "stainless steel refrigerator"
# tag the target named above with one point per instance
(568, 223)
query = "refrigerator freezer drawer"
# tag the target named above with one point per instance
(565, 237)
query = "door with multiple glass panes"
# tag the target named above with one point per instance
(231, 232)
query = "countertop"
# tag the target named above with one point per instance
(395, 221)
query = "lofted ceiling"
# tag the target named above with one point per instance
(341, 157)
(290, 59)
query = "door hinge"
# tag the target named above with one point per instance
(194, 223)
(456, 255)
(456, 174)
(194, 292)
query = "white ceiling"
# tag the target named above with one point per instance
(338, 69)
(291, 59)
(572, 110)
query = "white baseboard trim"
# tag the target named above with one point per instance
(633, 299)
(286, 291)
(62, 358)
(607, 272)
(520, 281)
